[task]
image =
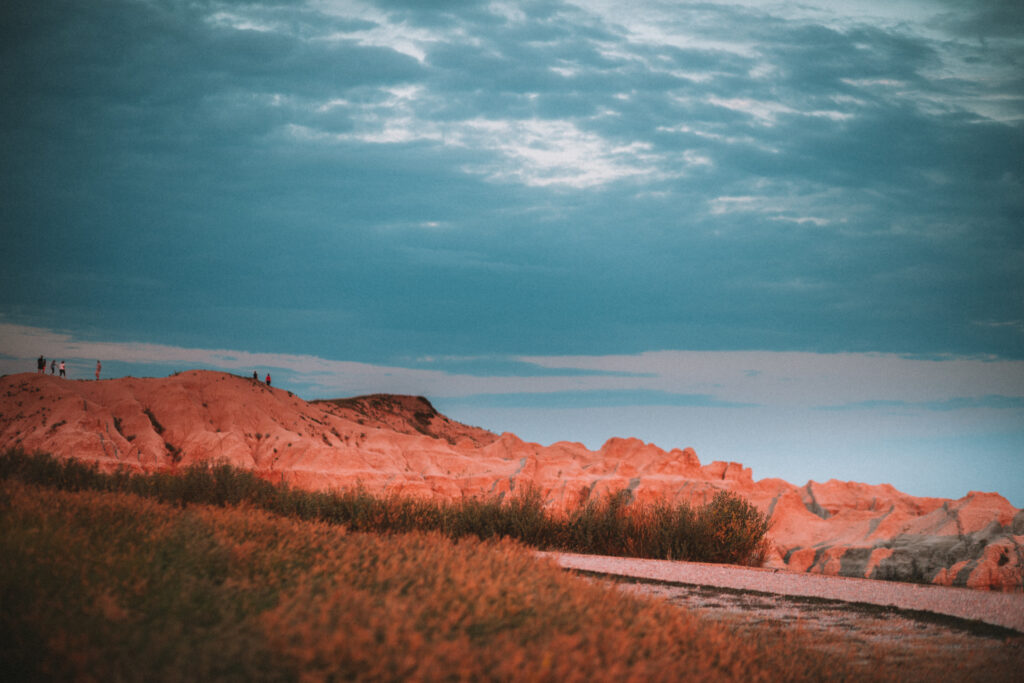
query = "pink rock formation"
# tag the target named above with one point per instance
(401, 444)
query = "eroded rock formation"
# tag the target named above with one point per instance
(402, 444)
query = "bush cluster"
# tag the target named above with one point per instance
(727, 530)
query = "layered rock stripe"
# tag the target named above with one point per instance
(401, 444)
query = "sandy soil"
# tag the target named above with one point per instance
(880, 630)
(998, 609)
(871, 642)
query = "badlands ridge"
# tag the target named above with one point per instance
(401, 444)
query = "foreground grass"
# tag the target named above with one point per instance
(727, 530)
(113, 586)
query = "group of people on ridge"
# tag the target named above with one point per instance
(41, 368)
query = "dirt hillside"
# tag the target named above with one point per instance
(402, 444)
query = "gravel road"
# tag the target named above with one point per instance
(1000, 609)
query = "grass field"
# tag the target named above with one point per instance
(212, 574)
(114, 586)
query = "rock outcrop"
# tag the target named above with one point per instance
(402, 444)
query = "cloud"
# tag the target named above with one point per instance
(749, 175)
(586, 400)
(556, 153)
(709, 378)
(810, 379)
(1014, 403)
(1000, 19)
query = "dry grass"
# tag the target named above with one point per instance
(727, 530)
(112, 586)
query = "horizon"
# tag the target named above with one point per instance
(790, 236)
(542, 413)
(592, 448)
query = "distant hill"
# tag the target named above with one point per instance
(402, 444)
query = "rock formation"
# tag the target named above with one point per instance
(402, 444)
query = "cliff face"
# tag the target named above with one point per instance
(402, 444)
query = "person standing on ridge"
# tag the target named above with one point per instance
(53, 366)
(268, 379)
(62, 373)
(98, 367)
(41, 365)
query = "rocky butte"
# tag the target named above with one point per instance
(402, 444)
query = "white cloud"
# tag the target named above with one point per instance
(542, 152)
(564, 71)
(240, 23)
(769, 378)
(816, 209)
(661, 23)
(764, 112)
(723, 205)
(707, 134)
(806, 379)
(535, 152)
(802, 220)
(1016, 325)
(400, 37)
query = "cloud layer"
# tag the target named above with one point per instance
(386, 179)
(531, 207)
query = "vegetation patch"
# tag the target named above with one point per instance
(159, 428)
(100, 585)
(727, 530)
(173, 450)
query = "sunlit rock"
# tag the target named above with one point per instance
(401, 444)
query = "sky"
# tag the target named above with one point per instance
(789, 235)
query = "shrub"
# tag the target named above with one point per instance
(43, 469)
(729, 529)
(732, 530)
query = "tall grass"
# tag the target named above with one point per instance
(727, 530)
(103, 586)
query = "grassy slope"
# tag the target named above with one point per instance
(113, 586)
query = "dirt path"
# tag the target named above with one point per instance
(999, 609)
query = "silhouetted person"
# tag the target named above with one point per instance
(41, 365)
(255, 377)
(53, 366)
(98, 368)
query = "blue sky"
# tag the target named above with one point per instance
(786, 235)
